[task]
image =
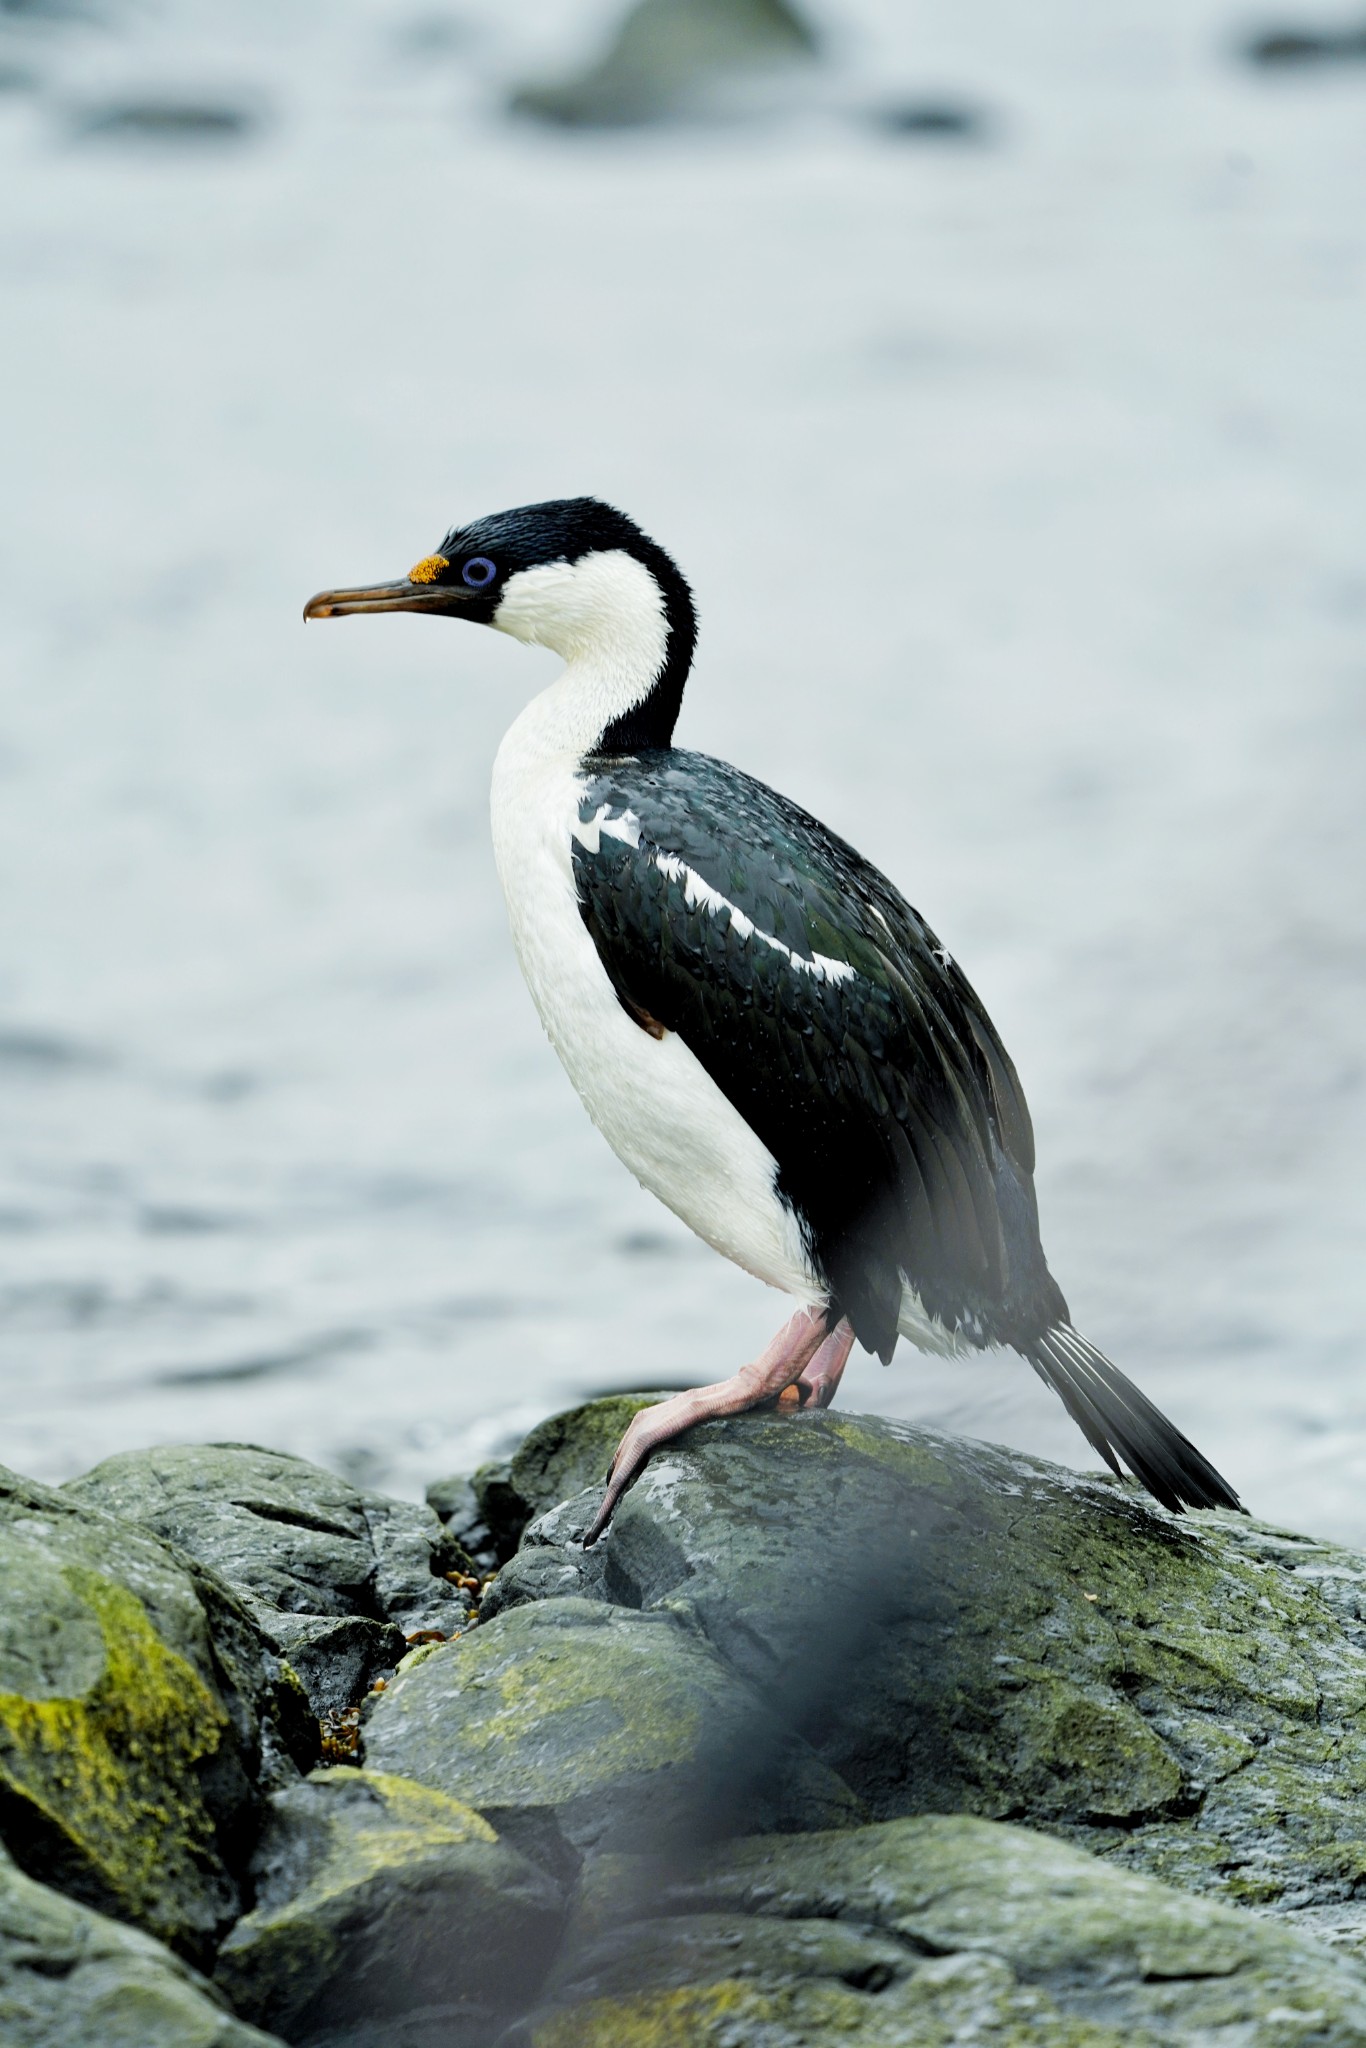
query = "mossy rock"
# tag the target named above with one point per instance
(137, 1712)
(488, 1510)
(572, 1726)
(1003, 1637)
(334, 1577)
(69, 1978)
(382, 1904)
(928, 1934)
(140, 1718)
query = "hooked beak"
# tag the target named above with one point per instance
(403, 596)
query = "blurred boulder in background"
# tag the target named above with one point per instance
(931, 120)
(167, 120)
(673, 58)
(1305, 46)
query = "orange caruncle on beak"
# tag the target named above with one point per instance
(428, 569)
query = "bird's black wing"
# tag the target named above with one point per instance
(828, 1014)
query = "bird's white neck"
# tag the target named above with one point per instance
(606, 615)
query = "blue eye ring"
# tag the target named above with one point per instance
(479, 572)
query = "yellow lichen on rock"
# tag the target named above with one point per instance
(641, 1726)
(108, 1779)
(683, 2018)
(401, 1807)
(381, 1897)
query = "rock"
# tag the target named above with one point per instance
(958, 1629)
(925, 1933)
(500, 1508)
(719, 1731)
(551, 1565)
(571, 1725)
(932, 121)
(335, 1578)
(488, 1512)
(1300, 47)
(568, 1452)
(69, 1978)
(383, 1905)
(669, 57)
(157, 120)
(455, 1504)
(137, 1710)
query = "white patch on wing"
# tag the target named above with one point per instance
(589, 831)
(651, 1098)
(699, 894)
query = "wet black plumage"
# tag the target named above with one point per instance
(902, 1136)
(816, 999)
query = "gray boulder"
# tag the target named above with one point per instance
(138, 1712)
(924, 1934)
(457, 1505)
(388, 1911)
(672, 57)
(487, 1512)
(69, 1978)
(572, 1725)
(958, 1629)
(334, 1577)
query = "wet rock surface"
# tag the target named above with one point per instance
(381, 1902)
(575, 1726)
(845, 1729)
(139, 1715)
(487, 1512)
(69, 1975)
(1007, 1639)
(335, 1578)
(934, 1931)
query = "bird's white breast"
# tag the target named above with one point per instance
(650, 1097)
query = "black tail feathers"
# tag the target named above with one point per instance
(1120, 1422)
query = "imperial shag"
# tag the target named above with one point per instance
(761, 1026)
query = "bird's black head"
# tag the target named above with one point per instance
(573, 574)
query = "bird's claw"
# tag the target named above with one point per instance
(646, 1429)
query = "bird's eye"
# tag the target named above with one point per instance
(479, 572)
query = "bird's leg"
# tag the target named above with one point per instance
(816, 1385)
(787, 1357)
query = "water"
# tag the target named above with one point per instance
(1021, 485)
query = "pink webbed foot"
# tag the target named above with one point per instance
(797, 1346)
